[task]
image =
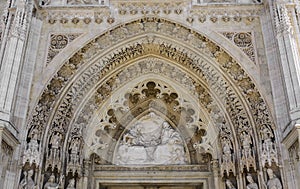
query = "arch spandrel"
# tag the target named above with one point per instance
(233, 92)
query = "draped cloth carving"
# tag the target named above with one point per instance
(151, 141)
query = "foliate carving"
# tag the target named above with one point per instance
(147, 7)
(158, 46)
(205, 2)
(117, 9)
(195, 167)
(59, 42)
(74, 2)
(244, 41)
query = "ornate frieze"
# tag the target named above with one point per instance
(152, 168)
(244, 40)
(118, 9)
(207, 2)
(47, 3)
(58, 42)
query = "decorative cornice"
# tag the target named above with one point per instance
(118, 11)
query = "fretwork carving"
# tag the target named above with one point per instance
(59, 42)
(244, 41)
(282, 19)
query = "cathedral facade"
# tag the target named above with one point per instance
(149, 94)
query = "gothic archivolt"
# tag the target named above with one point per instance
(89, 78)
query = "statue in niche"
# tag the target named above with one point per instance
(248, 159)
(227, 150)
(269, 153)
(155, 142)
(74, 147)
(71, 184)
(246, 144)
(31, 154)
(227, 163)
(55, 143)
(27, 182)
(273, 182)
(51, 184)
(252, 184)
(229, 184)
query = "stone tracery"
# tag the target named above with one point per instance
(159, 46)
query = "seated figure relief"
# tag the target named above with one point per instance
(150, 140)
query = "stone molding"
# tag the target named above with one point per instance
(218, 72)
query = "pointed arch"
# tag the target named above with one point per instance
(223, 88)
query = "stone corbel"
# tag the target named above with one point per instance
(7, 134)
(292, 137)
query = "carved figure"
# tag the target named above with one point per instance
(246, 141)
(55, 140)
(154, 140)
(71, 184)
(27, 182)
(227, 147)
(269, 153)
(273, 182)
(229, 184)
(55, 143)
(51, 184)
(74, 146)
(23, 182)
(252, 184)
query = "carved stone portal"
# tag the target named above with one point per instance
(150, 140)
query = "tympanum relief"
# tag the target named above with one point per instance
(151, 140)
